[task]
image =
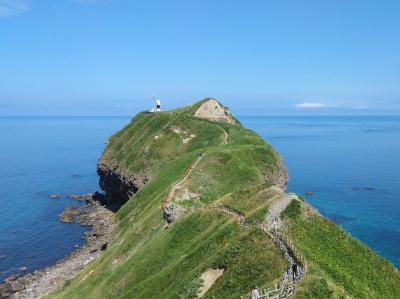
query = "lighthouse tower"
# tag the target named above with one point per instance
(158, 105)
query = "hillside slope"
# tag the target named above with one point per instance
(172, 172)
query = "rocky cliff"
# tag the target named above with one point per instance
(117, 185)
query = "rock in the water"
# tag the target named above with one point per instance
(309, 193)
(23, 269)
(55, 196)
(69, 215)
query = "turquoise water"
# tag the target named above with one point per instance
(41, 156)
(341, 159)
(335, 157)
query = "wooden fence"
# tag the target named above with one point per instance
(289, 280)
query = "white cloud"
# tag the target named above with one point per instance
(311, 105)
(12, 7)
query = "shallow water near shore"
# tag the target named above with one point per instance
(41, 156)
(337, 158)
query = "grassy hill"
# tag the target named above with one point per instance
(190, 165)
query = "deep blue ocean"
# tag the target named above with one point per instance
(337, 158)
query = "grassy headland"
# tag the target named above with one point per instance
(149, 258)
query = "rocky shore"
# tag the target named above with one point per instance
(41, 282)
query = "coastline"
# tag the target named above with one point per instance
(42, 282)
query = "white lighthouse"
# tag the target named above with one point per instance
(158, 105)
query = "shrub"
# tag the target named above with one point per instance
(292, 211)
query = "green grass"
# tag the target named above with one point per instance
(229, 169)
(250, 202)
(167, 263)
(292, 211)
(343, 265)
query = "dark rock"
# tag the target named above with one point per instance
(17, 286)
(369, 188)
(104, 246)
(172, 212)
(97, 196)
(55, 196)
(118, 186)
(309, 193)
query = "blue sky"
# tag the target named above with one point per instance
(103, 57)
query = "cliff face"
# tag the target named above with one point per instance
(118, 186)
(280, 177)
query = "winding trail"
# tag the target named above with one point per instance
(226, 135)
(272, 218)
(288, 280)
(175, 186)
(270, 226)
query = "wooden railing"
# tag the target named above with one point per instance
(288, 281)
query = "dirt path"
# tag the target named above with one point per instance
(175, 186)
(273, 216)
(288, 280)
(226, 136)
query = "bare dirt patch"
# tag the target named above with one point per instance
(212, 110)
(209, 277)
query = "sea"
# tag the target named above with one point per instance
(349, 163)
